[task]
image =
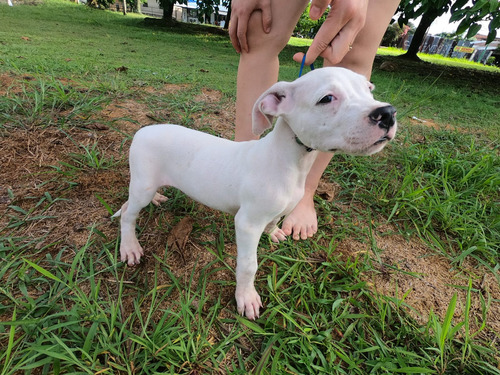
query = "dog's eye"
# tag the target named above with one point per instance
(326, 99)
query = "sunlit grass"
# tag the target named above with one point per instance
(438, 59)
(299, 42)
(434, 58)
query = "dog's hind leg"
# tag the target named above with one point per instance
(276, 233)
(140, 195)
(158, 199)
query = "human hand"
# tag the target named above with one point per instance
(240, 14)
(335, 37)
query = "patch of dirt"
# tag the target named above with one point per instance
(426, 282)
(35, 163)
(220, 117)
(12, 84)
(430, 124)
(126, 115)
(168, 88)
(33, 174)
(6, 82)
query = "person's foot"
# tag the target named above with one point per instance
(302, 222)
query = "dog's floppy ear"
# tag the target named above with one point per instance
(277, 100)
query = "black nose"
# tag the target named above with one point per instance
(385, 117)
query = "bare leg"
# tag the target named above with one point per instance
(302, 221)
(258, 69)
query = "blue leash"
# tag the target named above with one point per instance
(308, 149)
(302, 65)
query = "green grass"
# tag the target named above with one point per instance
(438, 59)
(68, 306)
(68, 45)
(434, 58)
(444, 191)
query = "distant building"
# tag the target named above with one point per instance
(185, 13)
(473, 50)
(482, 51)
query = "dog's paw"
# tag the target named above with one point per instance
(131, 253)
(277, 235)
(159, 199)
(248, 302)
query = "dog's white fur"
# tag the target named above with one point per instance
(257, 181)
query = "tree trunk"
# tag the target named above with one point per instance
(168, 12)
(139, 6)
(124, 7)
(228, 17)
(418, 37)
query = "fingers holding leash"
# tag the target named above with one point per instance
(337, 34)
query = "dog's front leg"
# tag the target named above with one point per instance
(248, 234)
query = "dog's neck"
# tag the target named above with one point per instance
(281, 123)
(308, 149)
(283, 133)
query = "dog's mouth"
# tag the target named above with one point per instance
(383, 139)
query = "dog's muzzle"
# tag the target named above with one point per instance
(384, 117)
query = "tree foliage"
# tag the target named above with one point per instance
(100, 4)
(479, 10)
(392, 34)
(412, 9)
(207, 7)
(306, 27)
(429, 10)
(467, 12)
(106, 4)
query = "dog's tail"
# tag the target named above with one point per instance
(119, 212)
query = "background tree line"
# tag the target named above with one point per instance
(467, 12)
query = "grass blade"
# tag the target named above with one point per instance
(43, 271)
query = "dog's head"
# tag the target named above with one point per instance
(329, 109)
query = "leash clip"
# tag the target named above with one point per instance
(302, 65)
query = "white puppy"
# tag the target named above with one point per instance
(328, 109)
